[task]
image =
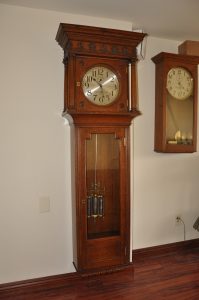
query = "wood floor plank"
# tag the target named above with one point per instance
(170, 277)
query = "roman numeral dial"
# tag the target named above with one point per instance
(100, 85)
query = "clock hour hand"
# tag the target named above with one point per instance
(98, 82)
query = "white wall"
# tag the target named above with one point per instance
(35, 152)
(165, 185)
(35, 149)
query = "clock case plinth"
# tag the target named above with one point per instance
(163, 63)
(105, 246)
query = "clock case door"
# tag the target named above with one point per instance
(102, 170)
(174, 116)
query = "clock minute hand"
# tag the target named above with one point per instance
(108, 80)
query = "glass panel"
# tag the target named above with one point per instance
(179, 107)
(103, 186)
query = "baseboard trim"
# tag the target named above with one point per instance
(166, 249)
(43, 282)
(65, 279)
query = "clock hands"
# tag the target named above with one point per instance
(97, 82)
(112, 78)
(97, 87)
(100, 86)
(105, 82)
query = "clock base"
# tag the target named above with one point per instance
(103, 271)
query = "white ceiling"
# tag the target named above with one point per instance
(172, 19)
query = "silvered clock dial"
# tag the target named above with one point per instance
(100, 85)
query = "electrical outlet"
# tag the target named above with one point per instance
(44, 204)
(178, 219)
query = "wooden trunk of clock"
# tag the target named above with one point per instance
(100, 102)
(102, 174)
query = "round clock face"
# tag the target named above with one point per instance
(100, 85)
(179, 83)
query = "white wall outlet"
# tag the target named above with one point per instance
(178, 220)
(44, 204)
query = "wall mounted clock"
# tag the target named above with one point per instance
(176, 102)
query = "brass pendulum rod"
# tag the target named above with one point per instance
(95, 199)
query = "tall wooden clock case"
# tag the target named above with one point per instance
(100, 102)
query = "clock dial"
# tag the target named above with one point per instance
(179, 83)
(100, 85)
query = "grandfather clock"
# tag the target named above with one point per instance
(100, 102)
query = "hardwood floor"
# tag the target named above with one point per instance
(169, 276)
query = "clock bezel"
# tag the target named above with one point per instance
(177, 95)
(118, 67)
(114, 71)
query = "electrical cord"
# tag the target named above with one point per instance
(179, 219)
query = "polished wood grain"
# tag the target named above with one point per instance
(160, 250)
(171, 276)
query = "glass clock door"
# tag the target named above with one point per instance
(103, 185)
(179, 107)
(103, 207)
